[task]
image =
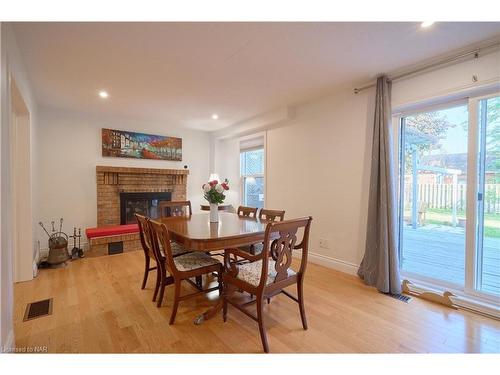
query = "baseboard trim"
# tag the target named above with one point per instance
(336, 264)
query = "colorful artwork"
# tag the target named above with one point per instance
(123, 144)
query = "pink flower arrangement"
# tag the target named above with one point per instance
(214, 191)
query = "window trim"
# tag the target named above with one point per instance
(253, 148)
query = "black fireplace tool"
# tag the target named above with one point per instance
(76, 251)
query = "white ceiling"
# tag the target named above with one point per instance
(181, 73)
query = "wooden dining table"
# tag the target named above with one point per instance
(196, 233)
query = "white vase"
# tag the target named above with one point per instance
(214, 213)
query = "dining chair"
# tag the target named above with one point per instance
(181, 268)
(272, 215)
(269, 215)
(175, 208)
(268, 273)
(247, 211)
(149, 254)
(146, 247)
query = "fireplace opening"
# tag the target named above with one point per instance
(146, 203)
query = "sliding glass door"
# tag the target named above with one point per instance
(449, 192)
(434, 185)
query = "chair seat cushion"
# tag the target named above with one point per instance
(193, 260)
(177, 249)
(251, 272)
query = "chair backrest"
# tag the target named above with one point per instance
(144, 235)
(175, 208)
(271, 215)
(161, 240)
(279, 242)
(247, 211)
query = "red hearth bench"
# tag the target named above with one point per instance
(113, 239)
(111, 230)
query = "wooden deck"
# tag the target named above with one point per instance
(440, 253)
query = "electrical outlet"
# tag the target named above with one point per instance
(324, 243)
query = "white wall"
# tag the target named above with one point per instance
(227, 165)
(11, 65)
(318, 163)
(69, 148)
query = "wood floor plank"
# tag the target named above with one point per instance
(100, 308)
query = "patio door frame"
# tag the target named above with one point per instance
(472, 258)
(469, 290)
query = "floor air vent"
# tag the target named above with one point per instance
(401, 297)
(38, 309)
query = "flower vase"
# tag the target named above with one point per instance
(214, 213)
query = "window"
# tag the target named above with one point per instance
(449, 189)
(252, 177)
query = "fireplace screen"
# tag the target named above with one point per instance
(140, 203)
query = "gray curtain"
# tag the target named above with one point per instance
(380, 265)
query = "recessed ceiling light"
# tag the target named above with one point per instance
(103, 94)
(426, 24)
(215, 116)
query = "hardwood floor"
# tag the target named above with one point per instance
(100, 308)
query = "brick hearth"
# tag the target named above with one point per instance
(111, 181)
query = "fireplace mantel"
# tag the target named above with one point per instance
(111, 181)
(107, 169)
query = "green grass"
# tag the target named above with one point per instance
(491, 232)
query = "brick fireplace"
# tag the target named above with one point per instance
(111, 181)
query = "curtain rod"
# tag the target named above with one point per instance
(474, 53)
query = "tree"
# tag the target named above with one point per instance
(493, 136)
(432, 125)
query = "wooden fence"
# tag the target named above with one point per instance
(441, 195)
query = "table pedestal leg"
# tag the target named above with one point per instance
(227, 292)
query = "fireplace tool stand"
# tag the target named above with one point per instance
(76, 251)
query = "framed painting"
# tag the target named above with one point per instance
(125, 144)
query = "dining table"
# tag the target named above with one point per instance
(220, 207)
(196, 233)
